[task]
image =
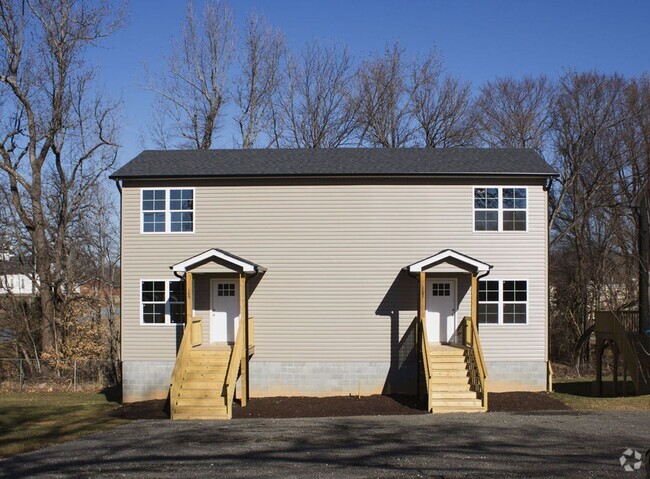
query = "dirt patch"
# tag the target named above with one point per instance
(337, 406)
(154, 409)
(287, 407)
(524, 401)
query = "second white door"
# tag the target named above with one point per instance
(441, 311)
(224, 315)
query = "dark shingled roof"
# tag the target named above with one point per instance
(335, 162)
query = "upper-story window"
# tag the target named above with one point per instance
(168, 210)
(500, 209)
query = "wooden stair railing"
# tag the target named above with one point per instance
(479, 369)
(425, 360)
(619, 327)
(237, 355)
(191, 337)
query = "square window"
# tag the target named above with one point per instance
(488, 291)
(163, 302)
(486, 220)
(177, 291)
(153, 313)
(153, 222)
(182, 221)
(153, 291)
(513, 301)
(174, 216)
(226, 289)
(177, 312)
(488, 313)
(500, 209)
(514, 220)
(486, 198)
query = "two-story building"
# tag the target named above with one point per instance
(365, 270)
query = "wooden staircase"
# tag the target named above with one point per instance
(450, 385)
(456, 375)
(201, 392)
(620, 329)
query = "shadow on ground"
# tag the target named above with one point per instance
(588, 388)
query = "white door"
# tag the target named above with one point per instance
(224, 317)
(441, 311)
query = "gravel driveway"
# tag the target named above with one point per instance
(549, 444)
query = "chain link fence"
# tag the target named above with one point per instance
(18, 374)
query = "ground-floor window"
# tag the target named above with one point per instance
(162, 301)
(503, 302)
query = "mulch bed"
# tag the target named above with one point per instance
(524, 401)
(287, 407)
(337, 406)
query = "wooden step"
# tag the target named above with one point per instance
(459, 366)
(453, 395)
(456, 409)
(463, 402)
(200, 392)
(451, 386)
(195, 368)
(446, 350)
(215, 376)
(200, 412)
(209, 353)
(447, 359)
(203, 402)
(449, 373)
(203, 384)
(209, 361)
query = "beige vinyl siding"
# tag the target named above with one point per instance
(334, 290)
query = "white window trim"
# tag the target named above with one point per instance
(168, 211)
(167, 308)
(500, 307)
(499, 210)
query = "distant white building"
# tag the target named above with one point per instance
(15, 278)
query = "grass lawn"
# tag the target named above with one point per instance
(33, 420)
(578, 394)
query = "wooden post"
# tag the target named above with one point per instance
(189, 307)
(422, 302)
(600, 348)
(421, 318)
(474, 299)
(243, 315)
(474, 311)
(616, 352)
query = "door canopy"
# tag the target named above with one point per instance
(219, 256)
(452, 257)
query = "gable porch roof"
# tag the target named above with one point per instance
(216, 254)
(447, 255)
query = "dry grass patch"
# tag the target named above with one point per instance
(31, 421)
(579, 394)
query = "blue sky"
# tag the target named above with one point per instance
(478, 39)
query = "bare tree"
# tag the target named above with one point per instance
(441, 107)
(57, 135)
(193, 89)
(592, 225)
(259, 81)
(385, 100)
(514, 113)
(318, 104)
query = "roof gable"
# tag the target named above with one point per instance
(452, 257)
(223, 257)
